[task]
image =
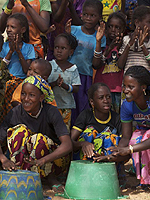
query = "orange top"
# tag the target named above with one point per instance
(34, 32)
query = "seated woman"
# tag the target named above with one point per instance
(136, 107)
(97, 128)
(35, 132)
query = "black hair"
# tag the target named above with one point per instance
(140, 73)
(95, 4)
(70, 38)
(94, 88)
(45, 64)
(23, 23)
(139, 13)
(117, 15)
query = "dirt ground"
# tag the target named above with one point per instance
(130, 193)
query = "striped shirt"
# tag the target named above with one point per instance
(135, 57)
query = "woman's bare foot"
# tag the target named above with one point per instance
(53, 183)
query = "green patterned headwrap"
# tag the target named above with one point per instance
(42, 85)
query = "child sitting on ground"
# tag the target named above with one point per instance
(97, 128)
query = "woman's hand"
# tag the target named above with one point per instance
(123, 151)
(88, 149)
(38, 162)
(8, 164)
(106, 158)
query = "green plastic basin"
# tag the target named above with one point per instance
(92, 181)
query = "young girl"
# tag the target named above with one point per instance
(17, 54)
(62, 11)
(109, 73)
(97, 128)
(83, 55)
(136, 107)
(136, 47)
(38, 15)
(64, 78)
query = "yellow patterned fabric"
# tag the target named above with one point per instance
(42, 85)
(110, 6)
(22, 143)
(66, 115)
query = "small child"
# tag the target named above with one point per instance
(83, 55)
(136, 47)
(17, 55)
(109, 73)
(38, 67)
(64, 78)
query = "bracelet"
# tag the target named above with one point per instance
(103, 58)
(7, 11)
(70, 88)
(97, 56)
(147, 57)
(95, 52)
(131, 148)
(141, 45)
(6, 61)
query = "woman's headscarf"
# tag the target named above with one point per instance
(42, 85)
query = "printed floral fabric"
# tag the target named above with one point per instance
(141, 160)
(101, 141)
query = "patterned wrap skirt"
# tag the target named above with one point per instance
(22, 143)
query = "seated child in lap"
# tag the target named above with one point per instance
(38, 67)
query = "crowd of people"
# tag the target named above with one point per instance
(75, 84)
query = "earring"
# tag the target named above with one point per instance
(21, 35)
(144, 92)
(92, 107)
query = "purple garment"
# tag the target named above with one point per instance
(81, 98)
(60, 27)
